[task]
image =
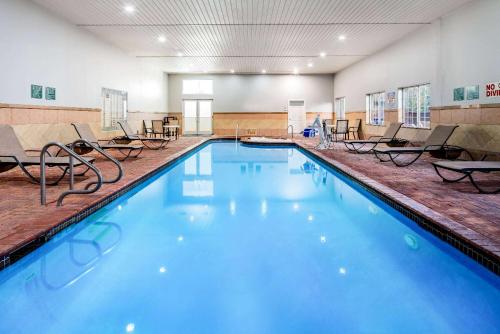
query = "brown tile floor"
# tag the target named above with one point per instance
(22, 217)
(459, 202)
(455, 205)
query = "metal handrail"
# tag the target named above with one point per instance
(72, 155)
(237, 130)
(289, 127)
(106, 155)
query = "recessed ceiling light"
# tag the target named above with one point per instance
(179, 54)
(295, 71)
(162, 39)
(205, 71)
(129, 8)
(322, 54)
(232, 71)
(342, 38)
(264, 71)
(310, 64)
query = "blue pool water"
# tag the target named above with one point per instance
(235, 239)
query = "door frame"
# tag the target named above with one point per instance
(198, 132)
(288, 116)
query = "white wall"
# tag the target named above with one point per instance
(457, 50)
(259, 93)
(40, 48)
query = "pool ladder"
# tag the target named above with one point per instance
(236, 132)
(72, 156)
(290, 126)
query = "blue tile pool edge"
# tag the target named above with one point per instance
(481, 255)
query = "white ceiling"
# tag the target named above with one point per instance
(248, 36)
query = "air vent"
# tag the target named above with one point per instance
(296, 103)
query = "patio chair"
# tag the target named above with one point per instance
(341, 128)
(158, 128)
(85, 132)
(12, 155)
(150, 143)
(355, 129)
(358, 146)
(436, 142)
(147, 130)
(466, 168)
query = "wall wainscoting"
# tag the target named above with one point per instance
(479, 126)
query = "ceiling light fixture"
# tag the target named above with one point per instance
(322, 54)
(179, 54)
(342, 38)
(232, 71)
(295, 71)
(264, 71)
(129, 8)
(310, 64)
(162, 39)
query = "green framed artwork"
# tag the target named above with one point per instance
(50, 93)
(36, 91)
(472, 92)
(459, 94)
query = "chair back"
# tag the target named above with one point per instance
(342, 126)
(173, 121)
(10, 144)
(127, 129)
(440, 136)
(357, 124)
(157, 125)
(392, 130)
(85, 132)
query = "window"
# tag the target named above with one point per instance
(197, 87)
(375, 108)
(114, 108)
(340, 107)
(414, 103)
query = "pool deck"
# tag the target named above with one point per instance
(457, 207)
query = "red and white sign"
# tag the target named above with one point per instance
(493, 89)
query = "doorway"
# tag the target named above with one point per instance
(296, 116)
(197, 117)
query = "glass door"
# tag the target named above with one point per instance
(197, 116)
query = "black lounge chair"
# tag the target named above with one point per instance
(436, 142)
(466, 168)
(85, 132)
(358, 146)
(150, 143)
(12, 155)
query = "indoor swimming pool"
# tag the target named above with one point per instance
(240, 239)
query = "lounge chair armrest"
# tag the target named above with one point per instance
(10, 156)
(372, 137)
(106, 141)
(40, 151)
(429, 146)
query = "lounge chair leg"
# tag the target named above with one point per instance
(380, 158)
(37, 181)
(393, 159)
(481, 190)
(155, 147)
(449, 180)
(129, 153)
